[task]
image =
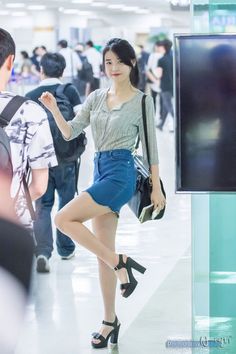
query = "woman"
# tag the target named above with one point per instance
(115, 115)
(26, 64)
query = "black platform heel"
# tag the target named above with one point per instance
(113, 335)
(130, 263)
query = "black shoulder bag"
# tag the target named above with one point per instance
(142, 195)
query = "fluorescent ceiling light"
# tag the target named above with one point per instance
(98, 4)
(15, 5)
(19, 13)
(4, 12)
(115, 6)
(70, 11)
(36, 7)
(129, 8)
(82, 1)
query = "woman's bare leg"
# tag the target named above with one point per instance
(69, 220)
(104, 228)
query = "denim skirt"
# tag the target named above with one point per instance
(114, 178)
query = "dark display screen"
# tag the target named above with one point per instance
(205, 91)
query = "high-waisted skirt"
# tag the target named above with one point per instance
(114, 178)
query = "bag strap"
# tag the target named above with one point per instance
(28, 199)
(144, 118)
(145, 127)
(10, 109)
(77, 167)
(5, 117)
(8, 112)
(61, 88)
(29, 202)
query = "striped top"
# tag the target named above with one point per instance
(117, 128)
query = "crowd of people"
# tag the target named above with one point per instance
(84, 69)
(83, 66)
(46, 137)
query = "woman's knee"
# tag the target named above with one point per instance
(61, 220)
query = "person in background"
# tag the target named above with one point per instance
(142, 65)
(38, 52)
(16, 258)
(29, 135)
(153, 80)
(95, 59)
(34, 59)
(73, 62)
(83, 85)
(41, 51)
(16, 244)
(165, 74)
(115, 115)
(26, 64)
(52, 67)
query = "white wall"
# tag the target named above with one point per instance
(30, 31)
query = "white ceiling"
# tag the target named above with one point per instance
(155, 6)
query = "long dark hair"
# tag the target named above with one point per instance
(126, 54)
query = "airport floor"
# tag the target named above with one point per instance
(65, 306)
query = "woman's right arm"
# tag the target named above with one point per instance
(49, 101)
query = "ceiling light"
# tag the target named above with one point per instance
(82, 1)
(15, 5)
(36, 7)
(19, 13)
(115, 6)
(4, 13)
(130, 8)
(98, 4)
(70, 12)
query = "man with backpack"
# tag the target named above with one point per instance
(30, 146)
(62, 178)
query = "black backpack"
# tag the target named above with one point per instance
(5, 157)
(66, 151)
(86, 72)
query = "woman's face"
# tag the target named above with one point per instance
(115, 68)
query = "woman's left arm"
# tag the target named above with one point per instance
(157, 197)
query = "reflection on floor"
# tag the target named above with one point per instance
(66, 306)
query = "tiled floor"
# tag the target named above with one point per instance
(66, 306)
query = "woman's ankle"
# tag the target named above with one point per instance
(110, 317)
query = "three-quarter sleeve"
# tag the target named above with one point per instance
(151, 132)
(82, 118)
